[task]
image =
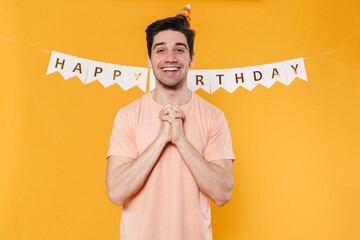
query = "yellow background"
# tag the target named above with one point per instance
(297, 146)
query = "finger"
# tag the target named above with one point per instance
(174, 118)
(176, 115)
(178, 110)
(165, 109)
(165, 117)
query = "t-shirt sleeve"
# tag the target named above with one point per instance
(122, 140)
(219, 144)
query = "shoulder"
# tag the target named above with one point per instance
(134, 106)
(213, 118)
(207, 108)
(131, 111)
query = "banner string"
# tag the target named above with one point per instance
(321, 54)
(28, 45)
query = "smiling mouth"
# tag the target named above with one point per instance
(170, 69)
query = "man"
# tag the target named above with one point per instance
(170, 150)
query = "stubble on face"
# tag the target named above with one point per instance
(171, 85)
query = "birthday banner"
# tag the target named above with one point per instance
(208, 80)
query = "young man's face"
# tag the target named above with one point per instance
(170, 58)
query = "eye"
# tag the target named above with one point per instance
(180, 50)
(160, 50)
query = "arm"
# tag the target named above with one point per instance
(126, 176)
(214, 178)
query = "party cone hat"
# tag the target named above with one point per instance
(186, 13)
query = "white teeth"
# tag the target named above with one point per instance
(170, 69)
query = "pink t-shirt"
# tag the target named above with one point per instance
(170, 206)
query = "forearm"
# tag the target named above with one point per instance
(212, 179)
(128, 178)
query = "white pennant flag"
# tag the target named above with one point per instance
(198, 79)
(218, 78)
(294, 68)
(278, 72)
(134, 76)
(68, 66)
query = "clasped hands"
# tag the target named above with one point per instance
(171, 128)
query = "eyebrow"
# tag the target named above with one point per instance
(158, 44)
(182, 44)
(177, 44)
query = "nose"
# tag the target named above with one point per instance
(170, 57)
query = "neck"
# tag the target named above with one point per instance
(163, 96)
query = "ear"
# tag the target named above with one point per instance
(149, 63)
(192, 60)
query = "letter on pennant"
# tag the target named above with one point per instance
(96, 71)
(137, 77)
(199, 78)
(275, 72)
(78, 67)
(295, 68)
(257, 79)
(241, 77)
(60, 63)
(117, 73)
(220, 75)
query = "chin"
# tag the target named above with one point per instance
(171, 85)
